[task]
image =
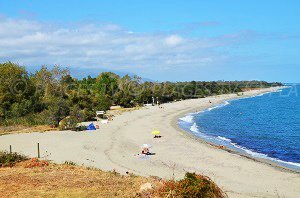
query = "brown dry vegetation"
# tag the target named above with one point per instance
(39, 178)
(67, 181)
(4, 130)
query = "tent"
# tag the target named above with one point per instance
(91, 127)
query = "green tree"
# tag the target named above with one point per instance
(16, 91)
(57, 109)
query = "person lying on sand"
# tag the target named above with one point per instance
(145, 151)
(157, 136)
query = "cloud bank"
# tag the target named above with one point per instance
(109, 46)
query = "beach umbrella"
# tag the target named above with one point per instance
(155, 132)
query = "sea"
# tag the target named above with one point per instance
(264, 126)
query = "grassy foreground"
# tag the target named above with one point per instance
(21, 177)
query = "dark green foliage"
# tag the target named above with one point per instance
(9, 159)
(48, 96)
(102, 102)
(197, 186)
(16, 91)
(80, 128)
(57, 110)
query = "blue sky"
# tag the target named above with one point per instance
(160, 40)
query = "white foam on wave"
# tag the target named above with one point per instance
(258, 95)
(188, 118)
(194, 128)
(224, 139)
(264, 156)
(250, 152)
(218, 106)
(261, 94)
(286, 162)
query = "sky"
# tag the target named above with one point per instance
(174, 40)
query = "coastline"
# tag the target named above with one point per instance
(115, 147)
(188, 134)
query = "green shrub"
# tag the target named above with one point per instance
(28, 120)
(68, 123)
(192, 186)
(80, 128)
(9, 159)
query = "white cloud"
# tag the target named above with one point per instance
(106, 45)
(173, 40)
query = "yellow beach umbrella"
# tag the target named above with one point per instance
(156, 132)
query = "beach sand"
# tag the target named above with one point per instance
(116, 145)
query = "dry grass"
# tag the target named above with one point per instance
(4, 130)
(35, 178)
(67, 181)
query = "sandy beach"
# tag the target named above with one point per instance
(116, 145)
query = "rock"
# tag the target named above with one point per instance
(145, 187)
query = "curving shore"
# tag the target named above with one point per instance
(116, 145)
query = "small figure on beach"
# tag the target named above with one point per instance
(156, 134)
(145, 151)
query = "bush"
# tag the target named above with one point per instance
(9, 159)
(80, 128)
(35, 162)
(28, 120)
(68, 123)
(88, 114)
(192, 185)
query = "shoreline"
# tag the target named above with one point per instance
(115, 147)
(229, 150)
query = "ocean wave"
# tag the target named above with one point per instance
(263, 156)
(218, 106)
(194, 128)
(286, 162)
(262, 94)
(250, 152)
(258, 95)
(224, 139)
(188, 118)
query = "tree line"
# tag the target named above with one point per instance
(49, 95)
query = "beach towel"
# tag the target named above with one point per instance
(104, 121)
(143, 156)
(91, 127)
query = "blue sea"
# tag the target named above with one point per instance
(265, 126)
